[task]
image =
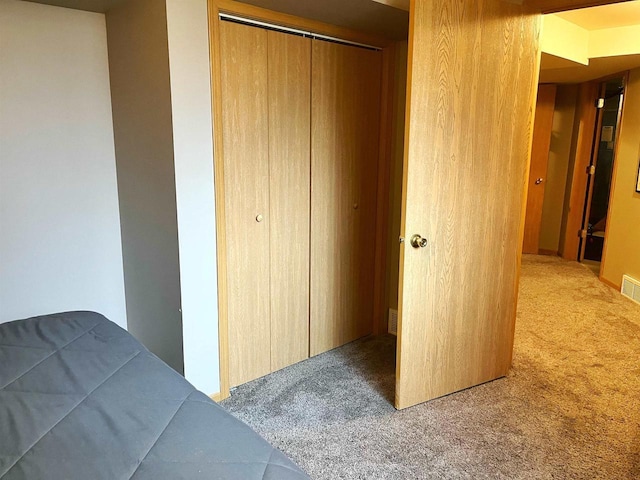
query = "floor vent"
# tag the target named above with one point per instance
(393, 320)
(630, 288)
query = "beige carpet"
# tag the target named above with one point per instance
(569, 409)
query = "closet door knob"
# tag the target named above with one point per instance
(259, 218)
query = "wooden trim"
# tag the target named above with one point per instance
(384, 179)
(403, 201)
(218, 166)
(609, 283)
(217, 397)
(614, 173)
(284, 19)
(586, 119)
(544, 251)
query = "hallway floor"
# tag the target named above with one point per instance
(570, 407)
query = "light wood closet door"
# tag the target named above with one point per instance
(289, 165)
(245, 126)
(344, 154)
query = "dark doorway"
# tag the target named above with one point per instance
(601, 170)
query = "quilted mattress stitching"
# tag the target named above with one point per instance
(266, 467)
(49, 356)
(160, 434)
(72, 410)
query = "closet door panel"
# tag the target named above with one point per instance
(246, 174)
(289, 164)
(344, 155)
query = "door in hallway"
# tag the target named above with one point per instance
(601, 170)
(542, 126)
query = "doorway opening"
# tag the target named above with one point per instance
(572, 168)
(308, 134)
(601, 173)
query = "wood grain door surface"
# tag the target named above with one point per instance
(266, 132)
(290, 195)
(245, 128)
(542, 128)
(300, 136)
(346, 82)
(473, 73)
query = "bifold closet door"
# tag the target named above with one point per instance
(266, 140)
(289, 165)
(245, 127)
(346, 82)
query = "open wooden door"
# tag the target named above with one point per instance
(473, 71)
(545, 106)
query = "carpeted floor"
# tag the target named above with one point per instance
(569, 409)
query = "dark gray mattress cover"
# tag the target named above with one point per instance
(80, 398)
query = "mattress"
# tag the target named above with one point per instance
(80, 398)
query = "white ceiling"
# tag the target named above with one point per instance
(98, 6)
(559, 70)
(367, 16)
(606, 16)
(377, 17)
(381, 18)
(401, 4)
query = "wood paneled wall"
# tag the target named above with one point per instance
(473, 73)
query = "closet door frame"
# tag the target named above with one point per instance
(216, 7)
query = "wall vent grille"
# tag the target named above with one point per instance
(631, 288)
(393, 321)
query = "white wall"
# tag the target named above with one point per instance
(193, 158)
(59, 223)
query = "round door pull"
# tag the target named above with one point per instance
(259, 218)
(418, 242)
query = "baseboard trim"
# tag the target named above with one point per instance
(609, 283)
(218, 397)
(544, 251)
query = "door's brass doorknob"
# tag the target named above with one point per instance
(418, 242)
(539, 181)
